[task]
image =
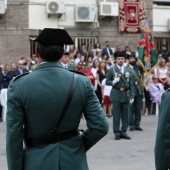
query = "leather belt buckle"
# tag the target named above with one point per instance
(122, 89)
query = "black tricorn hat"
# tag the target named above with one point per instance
(66, 53)
(119, 54)
(50, 36)
(133, 55)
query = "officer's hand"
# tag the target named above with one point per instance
(116, 79)
(131, 100)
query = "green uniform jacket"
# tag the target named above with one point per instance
(35, 101)
(162, 145)
(138, 87)
(117, 95)
(71, 67)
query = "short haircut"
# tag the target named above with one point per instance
(50, 52)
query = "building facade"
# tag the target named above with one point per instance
(24, 18)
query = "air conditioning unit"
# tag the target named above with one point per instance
(108, 9)
(3, 6)
(55, 7)
(85, 13)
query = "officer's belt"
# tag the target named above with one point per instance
(121, 89)
(46, 140)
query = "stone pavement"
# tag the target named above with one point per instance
(108, 154)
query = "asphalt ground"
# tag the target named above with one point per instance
(109, 154)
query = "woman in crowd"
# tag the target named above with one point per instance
(162, 72)
(146, 84)
(127, 52)
(156, 90)
(94, 72)
(101, 74)
(97, 48)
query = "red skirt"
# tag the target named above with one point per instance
(106, 100)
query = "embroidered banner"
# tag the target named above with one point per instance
(146, 51)
(131, 15)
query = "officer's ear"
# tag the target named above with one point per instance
(37, 56)
(37, 53)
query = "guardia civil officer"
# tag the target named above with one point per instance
(135, 107)
(121, 95)
(39, 100)
(162, 144)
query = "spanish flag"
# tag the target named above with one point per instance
(146, 51)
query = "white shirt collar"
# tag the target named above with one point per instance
(121, 68)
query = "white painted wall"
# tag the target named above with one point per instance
(161, 14)
(38, 19)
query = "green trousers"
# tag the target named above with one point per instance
(120, 114)
(135, 112)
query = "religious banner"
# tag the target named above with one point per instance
(146, 51)
(131, 15)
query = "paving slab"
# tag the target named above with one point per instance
(109, 154)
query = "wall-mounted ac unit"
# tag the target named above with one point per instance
(55, 7)
(3, 6)
(108, 9)
(85, 13)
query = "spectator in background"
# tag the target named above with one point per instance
(107, 50)
(98, 56)
(83, 50)
(91, 50)
(80, 65)
(73, 50)
(118, 49)
(107, 104)
(86, 70)
(101, 74)
(27, 63)
(104, 57)
(146, 84)
(127, 52)
(33, 62)
(20, 70)
(164, 52)
(156, 90)
(94, 70)
(109, 63)
(78, 56)
(97, 48)
(82, 59)
(90, 59)
(159, 56)
(13, 66)
(162, 72)
(168, 62)
(6, 77)
(1, 78)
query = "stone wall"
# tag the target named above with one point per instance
(109, 30)
(14, 33)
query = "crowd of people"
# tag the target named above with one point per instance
(96, 67)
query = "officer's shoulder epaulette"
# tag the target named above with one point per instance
(15, 78)
(77, 72)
